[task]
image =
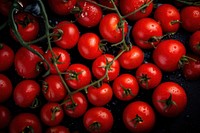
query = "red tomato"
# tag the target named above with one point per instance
(194, 42)
(5, 89)
(57, 129)
(61, 59)
(190, 18)
(53, 88)
(111, 29)
(25, 122)
(168, 55)
(5, 117)
(51, 114)
(131, 59)
(168, 16)
(128, 6)
(125, 87)
(78, 75)
(99, 95)
(148, 76)
(169, 99)
(98, 120)
(69, 36)
(146, 33)
(139, 117)
(77, 107)
(108, 3)
(89, 42)
(28, 64)
(100, 65)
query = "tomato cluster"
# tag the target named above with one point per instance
(97, 65)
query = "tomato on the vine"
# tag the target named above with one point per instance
(57, 129)
(194, 42)
(5, 116)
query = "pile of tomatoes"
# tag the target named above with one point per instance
(97, 65)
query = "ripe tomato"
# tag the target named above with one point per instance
(6, 88)
(128, 6)
(57, 129)
(125, 87)
(61, 59)
(89, 42)
(139, 117)
(131, 59)
(25, 122)
(75, 106)
(98, 120)
(69, 36)
(51, 114)
(168, 55)
(148, 76)
(146, 33)
(169, 99)
(100, 65)
(168, 16)
(28, 64)
(108, 3)
(190, 18)
(5, 116)
(53, 88)
(194, 42)
(111, 28)
(6, 57)
(99, 95)
(25, 93)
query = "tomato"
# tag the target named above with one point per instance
(25, 122)
(5, 116)
(6, 57)
(89, 42)
(168, 16)
(75, 106)
(57, 129)
(128, 6)
(111, 28)
(53, 88)
(146, 33)
(131, 59)
(139, 117)
(61, 59)
(168, 55)
(69, 36)
(51, 114)
(99, 95)
(108, 3)
(28, 26)
(90, 14)
(6, 88)
(148, 76)
(78, 75)
(100, 65)
(98, 120)
(28, 64)
(190, 18)
(194, 42)
(125, 87)
(62, 7)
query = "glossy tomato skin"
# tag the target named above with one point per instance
(194, 42)
(6, 57)
(6, 88)
(190, 17)
(125, 87)
(144, 32)
(168, 16)
(128, 6)
(110, 30)
(57, 129)
(131, 59)
(5, 116)
(99, 70)
(89, 46)
(168, 54)
(178, 96)
(69, 36)
(23, 121)
(139, 117)
(98, 115)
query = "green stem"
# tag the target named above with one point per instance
(189, 2)
(3, 25)
(109, 8)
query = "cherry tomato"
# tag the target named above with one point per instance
(139, 117)
(146, 33)
(57, 129)
(98, 120)
(194, 42)
(5, 116)
(125, 87)
(111, 28)
(108, 3)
